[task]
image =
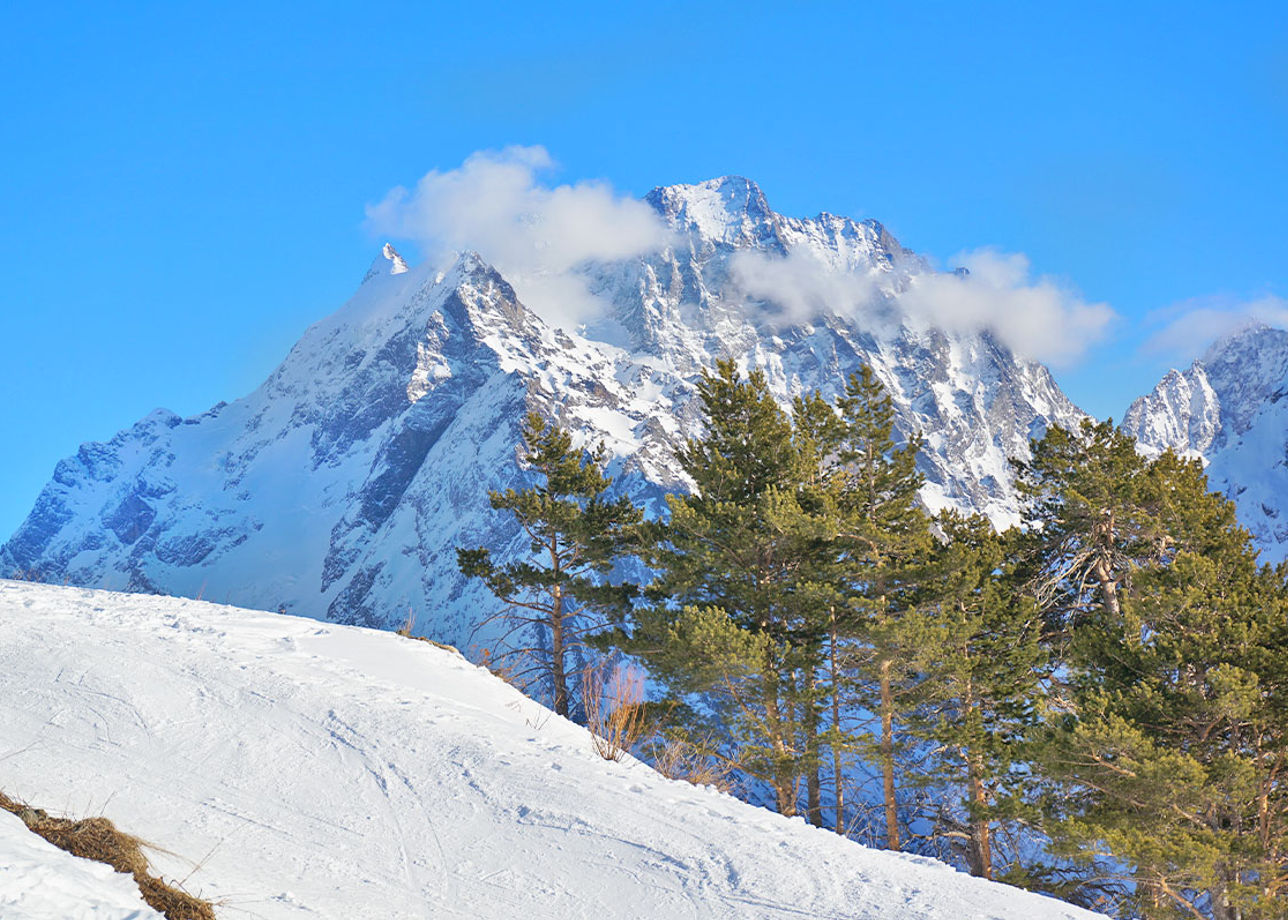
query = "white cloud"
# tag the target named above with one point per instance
(1192, 325)
(799, 287)
(535, 235)
(1036, 317)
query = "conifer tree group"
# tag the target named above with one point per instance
(1093, 704)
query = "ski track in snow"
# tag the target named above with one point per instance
(293, 769)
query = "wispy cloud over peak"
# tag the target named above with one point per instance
(1037, 317)
(535, 234)
(1189, 327)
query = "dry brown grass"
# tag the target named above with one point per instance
(409, 624)
(678, 758)
(612, 697)
(506, 667)
(98, 839)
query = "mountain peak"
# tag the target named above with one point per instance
(739, 191)
(1253, 335)
(398, 265)
(387, 262)
(730, 210)
(1228, 409)
(405, 405)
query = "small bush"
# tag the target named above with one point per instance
(676, 757)
(613, 701)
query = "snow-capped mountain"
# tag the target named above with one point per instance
(1228, 409)
(342, 487)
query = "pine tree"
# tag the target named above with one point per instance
(818, 433)
(726, 621)
(1169, 756)
(886, 534)
(576, 534)
(1086, 523)
(979, 649)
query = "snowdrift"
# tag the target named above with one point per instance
(296, 769)
(38, 881)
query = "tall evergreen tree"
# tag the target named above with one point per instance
(886, 535)
(726, 619)
(982, 660)
(576, 534)
(1169, 754)
(818, 432)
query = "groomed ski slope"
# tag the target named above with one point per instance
(297, 769)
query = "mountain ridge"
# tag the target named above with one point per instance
(341, 486)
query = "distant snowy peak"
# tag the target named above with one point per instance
(1182, 412)
(1217, 398)
(1228, 409)
(389, 262)
(397, 266)
(730, 211)
(1247, 368)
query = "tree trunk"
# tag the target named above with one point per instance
(557, 674)
(979, 855)
(887, 756)
(979, 849)
(784, 787)
(813, 792)
(1108, 588)
(1104, 531)
(837, 773)
(1222, 909)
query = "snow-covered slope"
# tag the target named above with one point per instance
(38, 881)
(1228, 409)
(294, 769)
(341, 488)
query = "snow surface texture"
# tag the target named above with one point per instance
(1228, 410)
(38, 881)
(317, 770)
(341, 488)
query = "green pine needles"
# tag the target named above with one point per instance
(576, 534)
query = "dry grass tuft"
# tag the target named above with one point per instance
(98, 839)
(408, 625)
(90, 838)
(406, 632)
(613, 700)
(678, 758)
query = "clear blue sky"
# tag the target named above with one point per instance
(183, 188)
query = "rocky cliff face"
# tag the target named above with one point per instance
(1228, 410)
(343, 485)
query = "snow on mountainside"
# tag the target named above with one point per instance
(1228, 409)
(293, 770)
(341, 487)
(38, 881)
